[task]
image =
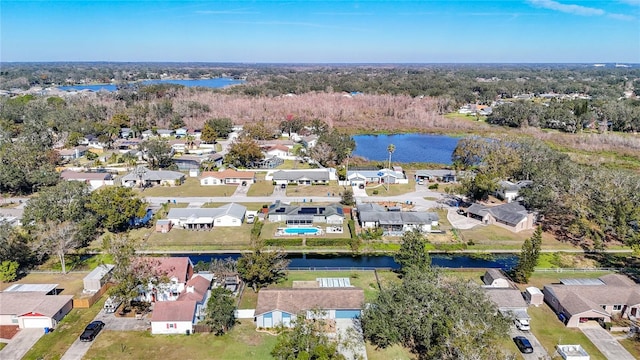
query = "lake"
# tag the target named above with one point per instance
(425, 148)
(320, 261)
(215, 83)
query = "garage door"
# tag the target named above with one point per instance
(267, 320)
(347, 314)
(36, 322)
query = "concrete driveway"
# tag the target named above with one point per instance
(357, 192)
(21, 343)
(460, 221)
(349, 329)
(606, 343)
(538, 350)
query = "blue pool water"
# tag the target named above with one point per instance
(300, 230)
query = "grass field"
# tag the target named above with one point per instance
(539, 279)
(55, 344)
(495, 237)
(632, 346)
(394, 189)
(261, 188)
(242, 342)
(219, 237)
(550, 332)
(395, 352)
(316, 190)
(191, 187)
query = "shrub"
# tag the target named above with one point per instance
(433, 186)
(375, 192)
(329, 242)
(284, 242)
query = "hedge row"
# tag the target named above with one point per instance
(329, 242)
(283, 242)
(352, 228)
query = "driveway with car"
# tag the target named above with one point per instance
(606, 343)
(538, 350)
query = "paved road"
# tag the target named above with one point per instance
(606, 343)
(21, 343)
(539, 351)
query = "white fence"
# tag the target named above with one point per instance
(244, 313)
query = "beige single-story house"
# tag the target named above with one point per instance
(282, 306)
(95, 180)
(306, 215)
(146, 177)
(33, 309)
(512, 216)
(577, 301)
(206, 218)
(371, 215)
(227, 177)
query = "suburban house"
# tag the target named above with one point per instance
(578, 301)
(386, 176)
(302, 177)
(439, 175)
(277, 150)
(176, 270)
(147, 134)
(508, 190)
(179, 316)
(282, 306)
(496, 278)
(33, 309)
(189, 162)
(309, 141)
(512, 216)
(73, 153)
(175, 317)
(265, 144)
(227, 177)
(146, 177)
(306, 215)
(165, 133)
(94, 180)
(182, 132)
(207, 218)
(371, 215)
(271, 162)
(126, 133)
(509, 301)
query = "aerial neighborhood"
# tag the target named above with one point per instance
(171, 220)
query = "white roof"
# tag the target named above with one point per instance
(45, 288)
(533, 290)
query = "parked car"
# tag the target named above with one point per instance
(461, 212)
(522, 324)
(283, 186)
(91, 331)
(523, 344)
(361, 186)
(251, 219)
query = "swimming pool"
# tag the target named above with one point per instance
(301, 231)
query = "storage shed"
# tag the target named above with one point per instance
(97, 278)
(163, 226)
(496, 278)
(533, 296)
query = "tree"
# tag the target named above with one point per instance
(8, 270)
(259, 131)
(412, 253)
(306, 340)
(13, 245)
(222, 127)
(436, 317)
(120, 120)
(347, 197)
(333, 147)
(260, 268)
(56, 238)
(528, 257)
(209, 133)
(243, 152)
(116, 206)
(220, 308)
(157, 152)
(390, 149)
(293, 125)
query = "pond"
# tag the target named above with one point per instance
(424, 148)
(214, 83)
(322, 261)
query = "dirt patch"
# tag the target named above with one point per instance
(8, 331)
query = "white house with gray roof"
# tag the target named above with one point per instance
(441, 175)
(302, 177)
(509, 191)
(206, 218)
(386, 176)
(146, 177)
(306, 215)
(395, 222)
(512, 216)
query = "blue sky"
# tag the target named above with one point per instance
(452, 31)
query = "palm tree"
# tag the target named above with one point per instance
(391, 148)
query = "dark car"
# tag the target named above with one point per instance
(523, 344)
(91, 331)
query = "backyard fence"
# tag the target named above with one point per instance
(86, 302)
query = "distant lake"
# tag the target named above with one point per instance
(208, 83)
(409, 147)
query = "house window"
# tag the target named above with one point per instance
(14, 319)
(172, 326)
(617, 307)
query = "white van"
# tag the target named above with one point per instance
(522, 324)
(111, 305)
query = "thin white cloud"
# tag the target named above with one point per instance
(567, 8)
(293, 23)
(225, 12)
(630, 2)
(343, 14)
(621, 17)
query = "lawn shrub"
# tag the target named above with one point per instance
(329, 242)
(284, 242)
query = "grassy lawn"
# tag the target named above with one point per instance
(395, 352)
(249, 299)
(70, 283)
(261, 188)
(387, 277)
(550, 332)
(495, 237)
(394, 189)
(191, 187)
(220, 237)
(632, 346)
(294, 164)
(316, 190)
(55, 344)
(363, 279)
(539, 279)
(242, 342)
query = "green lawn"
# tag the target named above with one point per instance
(395, 352)
(232, 237)
(261, 188)
(495, 237)
(316, 190)
(539, 279)
(632, 346)
(550, 332)
(191, 187)
(242, 342)
(364, 279)
(294, 164)
(394, 189)
(55, 344)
